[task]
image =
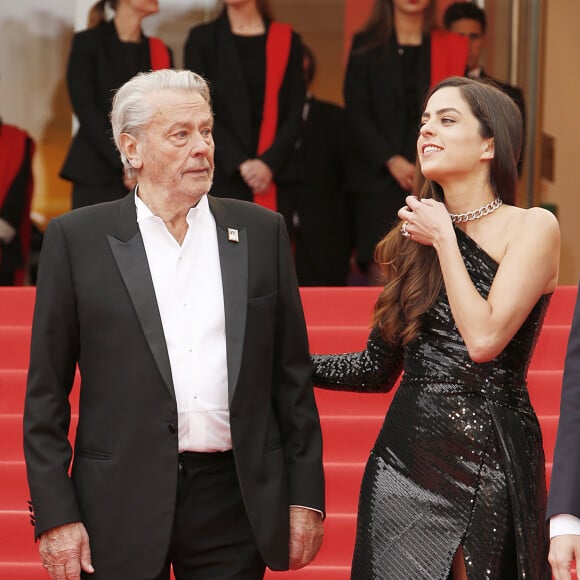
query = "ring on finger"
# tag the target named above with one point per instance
(404, 231)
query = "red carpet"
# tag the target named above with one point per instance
(337, 320)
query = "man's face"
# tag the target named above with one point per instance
(472, 29)
(175, 153)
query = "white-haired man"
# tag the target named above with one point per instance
(198, 442)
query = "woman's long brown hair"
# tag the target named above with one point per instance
(412, 270)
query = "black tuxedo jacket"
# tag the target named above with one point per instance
(97, 67)
(96, 307)
(564, 497)
(210, 51)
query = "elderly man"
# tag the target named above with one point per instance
(198, 442)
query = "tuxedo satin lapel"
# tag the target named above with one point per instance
(234, 268)
(230, 69)
(129, 253)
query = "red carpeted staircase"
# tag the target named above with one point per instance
(337, 320)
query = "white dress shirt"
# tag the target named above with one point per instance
(188, 286)
(562, 524)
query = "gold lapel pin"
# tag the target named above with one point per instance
(233, 235)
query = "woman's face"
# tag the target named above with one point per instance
(410, 6)
(450, 142)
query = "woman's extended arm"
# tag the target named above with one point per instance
(374, 370)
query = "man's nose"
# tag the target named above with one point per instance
(199, 144)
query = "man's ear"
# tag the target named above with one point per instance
(130, 148)
(488, 149)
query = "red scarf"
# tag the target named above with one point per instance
(449, 53)
(12, 156)
(159, 54)
(277, 53)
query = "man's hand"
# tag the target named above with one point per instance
(65, 550)
(563, 551)
(306, 533)
(257, 175)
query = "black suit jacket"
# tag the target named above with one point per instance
(96, 69)
(564, 497)
(96, 306)
(374, 97)
(210, 51)
(14, 210)
(324, 237)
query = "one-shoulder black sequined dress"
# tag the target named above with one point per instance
(459, 458)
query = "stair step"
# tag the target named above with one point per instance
(17, 305)
(14, 346)
(14, 494)
(17, 537)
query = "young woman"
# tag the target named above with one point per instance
(254, 66)
(103, 58)
(455, 482)
(393, 61)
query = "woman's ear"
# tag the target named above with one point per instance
(488, 149)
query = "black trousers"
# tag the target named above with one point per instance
(212, 537)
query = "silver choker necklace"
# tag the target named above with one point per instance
(475, 214)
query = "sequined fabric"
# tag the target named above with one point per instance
(459, 458)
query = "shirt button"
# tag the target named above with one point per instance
(171, 428)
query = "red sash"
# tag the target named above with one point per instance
(159, 54)
(277, 54)
(12, 152)
(449, 53)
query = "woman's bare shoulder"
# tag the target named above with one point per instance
(532, 220)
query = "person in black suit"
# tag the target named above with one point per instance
(323, 225)
(393, 61)
(16, 188)
(254, 67)
(564, 497)
(469, 20)
(101, 59)
(198, 441)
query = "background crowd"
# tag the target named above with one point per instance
(337, 174)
